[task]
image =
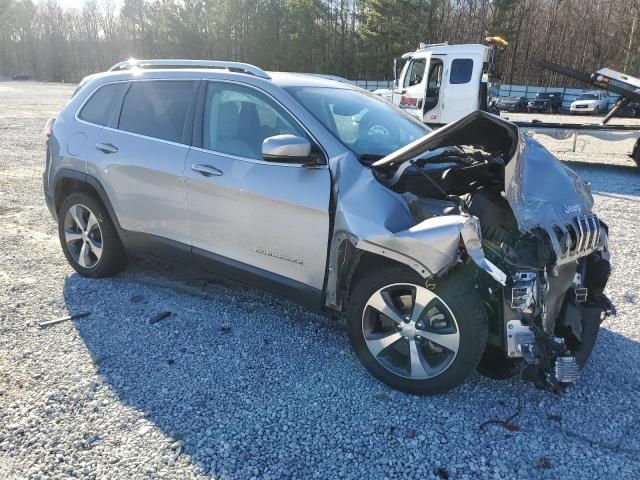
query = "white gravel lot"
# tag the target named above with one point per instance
(238, 384)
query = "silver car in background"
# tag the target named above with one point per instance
(444, 249)
(591, 103)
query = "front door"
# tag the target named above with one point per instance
(412, 86)
(259, 222)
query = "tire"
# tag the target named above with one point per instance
(596, 111)
(636, 153)
(386, 343)
(92, 246)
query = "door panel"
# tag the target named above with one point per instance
(271, 216)
(413, 85)
(144, 183)
(462, 82)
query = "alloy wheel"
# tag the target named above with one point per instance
(83, 236)
(410, 331)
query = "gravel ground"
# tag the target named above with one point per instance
(240, 384)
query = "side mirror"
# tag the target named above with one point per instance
(287, 148)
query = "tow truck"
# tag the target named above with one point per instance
(441, 83)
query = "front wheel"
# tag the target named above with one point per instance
(415, 339)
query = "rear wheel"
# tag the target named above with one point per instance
(418, 340)
(88, 237)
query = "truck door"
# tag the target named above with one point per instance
(461, 88)
(411, 91)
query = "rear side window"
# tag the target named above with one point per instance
(99, 107)
(461, 69)
(157, 109)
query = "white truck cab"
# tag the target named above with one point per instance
(441, 83)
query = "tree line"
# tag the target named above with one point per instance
(355, 39)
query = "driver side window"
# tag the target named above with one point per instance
(237, 119)
(415, 74)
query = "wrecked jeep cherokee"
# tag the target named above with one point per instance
(442, 248)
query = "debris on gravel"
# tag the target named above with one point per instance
(160, 316)
(75, 316)
(283, 396)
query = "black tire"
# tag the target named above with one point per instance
(596, 111)
(113, 258)
(636, 153)
(457, 293)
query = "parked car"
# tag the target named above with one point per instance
(548, 102)
(513, 104)
(319, 191)
(590, 103)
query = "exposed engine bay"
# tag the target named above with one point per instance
(543, 261)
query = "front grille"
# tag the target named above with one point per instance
(582, 106)
(578, 238)
(589, 229)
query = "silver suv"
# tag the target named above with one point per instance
(468, 245)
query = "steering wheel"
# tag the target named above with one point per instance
(376, 134)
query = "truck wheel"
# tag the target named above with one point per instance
(636, 153)
(596, 111)
(415, 339)
(88, 238)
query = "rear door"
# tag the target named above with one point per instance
(259, 222)
(461, 92)
(139, 160)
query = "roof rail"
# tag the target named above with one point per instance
(328, 77)
(168, 63)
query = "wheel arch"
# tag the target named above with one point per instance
(348, 263)
(67, 182)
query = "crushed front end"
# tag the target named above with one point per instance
(538, 231)
(558, 265)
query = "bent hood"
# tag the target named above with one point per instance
(541, 191)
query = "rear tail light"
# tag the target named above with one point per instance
(48, 127)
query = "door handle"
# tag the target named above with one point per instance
(206, 170)
(106, 147)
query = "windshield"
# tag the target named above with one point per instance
(370, 126)
(588, 96)
(544, 96)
